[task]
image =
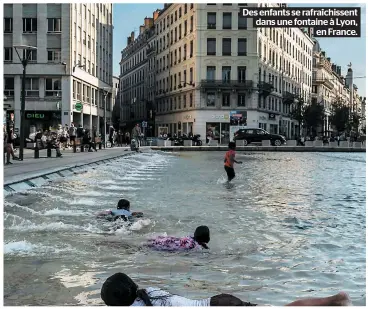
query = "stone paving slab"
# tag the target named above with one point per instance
(31, 168)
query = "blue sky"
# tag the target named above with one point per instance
(342, 51)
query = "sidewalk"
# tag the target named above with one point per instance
(30, 167)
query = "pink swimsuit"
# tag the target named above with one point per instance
(169, 243)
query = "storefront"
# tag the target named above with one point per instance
(41, 120)
(209, 124)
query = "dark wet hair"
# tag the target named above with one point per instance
(202, 235)
(232, 145)
(123, 204)
(120, 290)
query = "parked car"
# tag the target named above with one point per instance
(257, 136)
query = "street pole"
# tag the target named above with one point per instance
(22, 108)
(105, 119)
(24, 61)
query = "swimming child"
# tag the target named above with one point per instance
(229, 162)
(120, 290)
(122, 212)
(168, 243)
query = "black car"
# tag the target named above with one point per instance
(257, 136)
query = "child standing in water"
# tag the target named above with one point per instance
(229, 162)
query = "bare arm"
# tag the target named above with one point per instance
(232, 159)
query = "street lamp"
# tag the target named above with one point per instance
(24, 60)
(106, 91)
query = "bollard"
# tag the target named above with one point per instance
(49, 152)
(36, 153)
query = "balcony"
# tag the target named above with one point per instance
(324, 81)
(208, 84)
(265, 89)
(288, 97)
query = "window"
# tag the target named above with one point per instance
(54, 24)
(191, 100)
(9, 86)
(226, 99)
(79, 34)
(32, 87)
(185, 76)
(54, 55)
(185, 8)
(29, 25)
(89, 42)
(211, 20)
(242, 22)
(211, 73)
(8, 25)
(185, 27)
(191, 6)
(191, 76)
(176, 15)
(8, 54)
(53, 88)
(226, 20)
(191, 49)
(184, 101)
(211, 99)
(211, 47)
(226, 74)
(241, 99)
(179, 31)
(242, 47)
(226, 47)
(185, 52)
(191, 23)
(242, 74)
(179, 59)
(179, 12)
(84, 37)
(93, 20)
(31, 55)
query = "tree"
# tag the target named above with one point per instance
(354, 122)
(297, 112)
(340, 116)
(314, 115)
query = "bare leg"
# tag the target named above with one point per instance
(341, 299)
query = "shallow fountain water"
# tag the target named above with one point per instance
(292, 225)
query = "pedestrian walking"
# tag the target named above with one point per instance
(136, 133)
(127, 138)
(72, 134)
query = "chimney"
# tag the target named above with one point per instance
(156, 14)
(323, 54)
(128, 40)
(132, 36)
(141, 29)
(148, 22)
(338, 69)
(334, 67)
(329, 59)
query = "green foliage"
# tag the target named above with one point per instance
(340, 116)
(314, 115)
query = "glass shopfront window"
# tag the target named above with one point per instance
(218, 131)
(273, 129)
(263, 126)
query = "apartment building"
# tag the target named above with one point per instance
(211, 62)
(72, 63)
(330, 86)
(136, 95)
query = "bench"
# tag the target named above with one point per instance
(98, 141)
(37, 146)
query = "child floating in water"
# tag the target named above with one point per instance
(122, 212)
(121, 290)
(168, 243)
(229, 162)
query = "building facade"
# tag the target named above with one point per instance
(211, 62)
(330, 86)
(136, 88)
(72, 63)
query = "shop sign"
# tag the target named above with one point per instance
(187, 117)
(220, 117)
(272, 116)
(35, 116)
(262, 118)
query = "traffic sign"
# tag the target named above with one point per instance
(144, 124)
(78, 106)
